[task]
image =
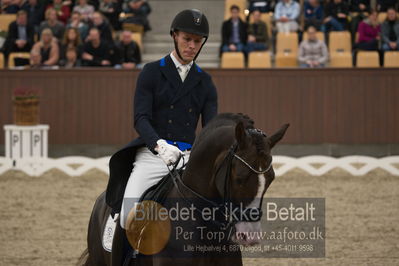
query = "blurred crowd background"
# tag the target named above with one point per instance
(255, 33)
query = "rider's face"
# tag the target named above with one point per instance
(188, 44)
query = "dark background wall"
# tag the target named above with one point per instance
(341, 106)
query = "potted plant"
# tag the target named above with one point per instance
(26, 106)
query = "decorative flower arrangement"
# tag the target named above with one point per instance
(24, 93)
(26, 106)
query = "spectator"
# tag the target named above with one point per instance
(234, 32)
(84, 9)
(20, 35)
(35, 13)
(63, 11)
(129, 51)
(312, 52)
(11, 6)
(95, 51)
(286, 15)
(384, 5)
(390, 31)
(111, 10)
(313, 14)
(369, 33)
(257, 34)
(360, 9)
(35, 60)
(336, 16)
(139, 11)
(264, 6)
(71, 40)
(71, 59)
(52, 23)
(103, 26)
(78, 24)
(48, 49)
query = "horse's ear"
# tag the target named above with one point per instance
(276, 137)
(241, 135)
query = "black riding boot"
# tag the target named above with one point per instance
(119, 245)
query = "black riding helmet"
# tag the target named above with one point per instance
(191, 21)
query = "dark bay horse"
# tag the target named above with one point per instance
(230, 162)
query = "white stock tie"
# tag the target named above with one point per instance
(183, 71)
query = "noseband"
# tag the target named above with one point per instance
(228, 214)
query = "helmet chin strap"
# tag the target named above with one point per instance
(178, 52)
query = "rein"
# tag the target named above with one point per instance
(223, 208)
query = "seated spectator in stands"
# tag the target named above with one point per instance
(77, 23)
(84, 9)
(71, 40)
(129, 51)
(390, 31)
(35, 60)
(20, 35)
(35, 13)
(312, 52)
(384, 5)
(286, 15)
(264, 6)
(360, 10)
(369, 33)
(336, 16)
(52, 23)
(97, 21)
(95, 51)
(111, 10)
(138, 11)
(257, 34)
(48, 49)
(71, 58)
(234, 32)
(11, 6)
(313, 14)
(63, 11)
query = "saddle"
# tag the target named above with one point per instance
(160, 190)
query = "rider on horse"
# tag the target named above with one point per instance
(171, 94)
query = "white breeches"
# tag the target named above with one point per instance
(289, 26)
(148, 169)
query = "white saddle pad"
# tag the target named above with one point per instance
(108, 234)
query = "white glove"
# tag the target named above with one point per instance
(168, 153)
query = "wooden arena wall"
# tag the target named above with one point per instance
(343, 106)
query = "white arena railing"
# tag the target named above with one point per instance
(313, 165)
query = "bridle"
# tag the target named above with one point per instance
(229, 219)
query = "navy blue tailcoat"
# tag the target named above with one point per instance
(164, 108)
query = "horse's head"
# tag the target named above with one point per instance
(251, 173)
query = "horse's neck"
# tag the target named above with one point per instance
(200, 169)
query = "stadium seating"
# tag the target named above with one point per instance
(343, 59)
(391, 59)
(242, 4)
(133, 27)
(138, 37)
(287, 43)
(232, 60)
(339, 41)
(367, 59)
(382, 16)
(5, 20)
(13, 56)
(286, 60)
(259, 60)
(319, 34)
(1, 60)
